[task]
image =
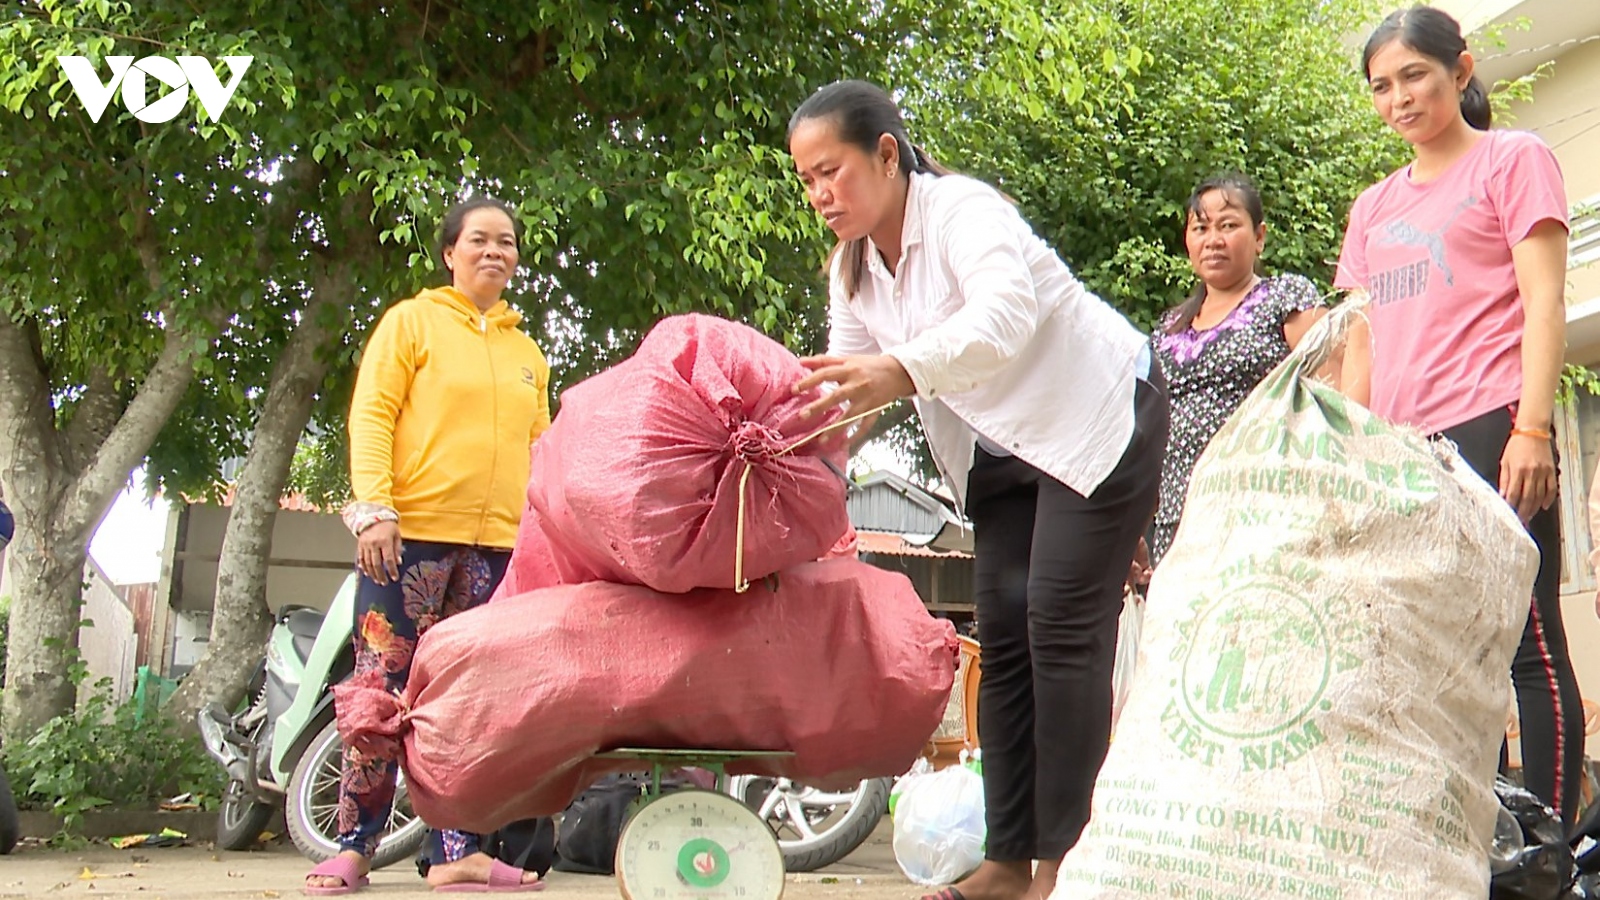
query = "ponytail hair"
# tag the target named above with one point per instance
(861, 114)
(1475, 105)
(1433, 33)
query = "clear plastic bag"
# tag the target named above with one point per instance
(1128, 628)
(938, 825)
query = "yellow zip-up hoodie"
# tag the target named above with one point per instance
(447, 405)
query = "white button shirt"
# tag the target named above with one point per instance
(997, 335)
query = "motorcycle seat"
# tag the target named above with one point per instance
(303, 625)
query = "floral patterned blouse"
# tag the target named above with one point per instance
(1209, 373)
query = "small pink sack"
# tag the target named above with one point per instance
(639, 479)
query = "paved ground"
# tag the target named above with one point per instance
(193, 873)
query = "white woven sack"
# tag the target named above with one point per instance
(1322, 680)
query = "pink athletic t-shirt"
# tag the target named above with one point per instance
(1436, 258)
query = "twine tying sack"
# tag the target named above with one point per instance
(753, 443)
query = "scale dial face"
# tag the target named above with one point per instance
(698, 845)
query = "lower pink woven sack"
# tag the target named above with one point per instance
(508, 704)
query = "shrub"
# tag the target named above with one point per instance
(104, 754)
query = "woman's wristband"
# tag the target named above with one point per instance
(1536, 433)
(359, 515)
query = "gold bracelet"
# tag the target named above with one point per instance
(1538, 433)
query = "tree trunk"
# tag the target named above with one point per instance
(61, 483)
(45, 611)
(240, 619)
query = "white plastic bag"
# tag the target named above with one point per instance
(938, 825)
(923, 766)
(1129, 627)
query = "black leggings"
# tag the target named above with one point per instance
(1049, 572)
(1547, 688)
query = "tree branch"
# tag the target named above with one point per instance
(93, 418)
(29, 438)
(157, 399)
(144, 242)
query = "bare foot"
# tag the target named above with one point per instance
(472, 869)
(998, 881)
(1044, 880)
(363, 866)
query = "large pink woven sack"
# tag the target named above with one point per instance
(638, 479)
(509, 703)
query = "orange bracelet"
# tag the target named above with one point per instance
(1538, 433)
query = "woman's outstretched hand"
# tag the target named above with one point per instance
(864, 382)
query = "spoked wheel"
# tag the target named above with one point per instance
(241, 818)
(814, 828)
(312, 807)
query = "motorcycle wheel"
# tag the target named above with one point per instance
(312, 807)
(814, 828)
(241, 818)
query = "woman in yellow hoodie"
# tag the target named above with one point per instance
(449, 399)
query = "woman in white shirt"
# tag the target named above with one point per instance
(1045, 418)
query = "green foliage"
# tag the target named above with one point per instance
(321, 471)
(106, 755)
(1576, 378)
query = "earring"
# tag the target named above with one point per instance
(890, 173)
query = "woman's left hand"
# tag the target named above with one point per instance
(864, 382)
(1528, 475)
(1139, 570)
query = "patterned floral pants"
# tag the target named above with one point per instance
(436, 582)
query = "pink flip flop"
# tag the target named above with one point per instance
(343, 868)
(503, 879)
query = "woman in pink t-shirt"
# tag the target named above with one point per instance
(1463, 253)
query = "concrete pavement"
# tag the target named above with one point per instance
(196, 873)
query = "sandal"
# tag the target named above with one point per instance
(503, 879)
(343, 868)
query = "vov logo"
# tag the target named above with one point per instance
(133, 77)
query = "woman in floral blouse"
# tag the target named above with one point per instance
(1234, 329)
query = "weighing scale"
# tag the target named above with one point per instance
(695, 844)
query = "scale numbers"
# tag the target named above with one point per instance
(698, 845)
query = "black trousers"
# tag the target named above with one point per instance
(1049, 573)
(1547, 688)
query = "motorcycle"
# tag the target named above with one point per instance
(283, 749)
